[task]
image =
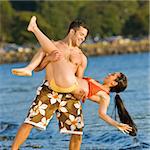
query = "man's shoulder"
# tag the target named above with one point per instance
(81, 52)
(79, 49)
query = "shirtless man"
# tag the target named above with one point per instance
(59, 86)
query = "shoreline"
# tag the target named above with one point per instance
(96, 49)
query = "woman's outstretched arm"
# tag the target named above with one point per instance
(102, 111)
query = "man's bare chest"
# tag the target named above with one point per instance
(73, 56)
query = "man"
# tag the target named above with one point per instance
(48, 101)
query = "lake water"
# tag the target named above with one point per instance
(17, 93)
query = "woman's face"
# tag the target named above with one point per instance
(110, 79)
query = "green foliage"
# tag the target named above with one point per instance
(6, 17)
(104, 18)
(137, 24)
(59, 15)
(23, 5)
(20, 25)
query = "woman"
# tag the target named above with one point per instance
(99, 93)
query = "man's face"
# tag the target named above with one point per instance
(79, 36)
(110, 79)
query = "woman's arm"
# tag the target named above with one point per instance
(102, 111)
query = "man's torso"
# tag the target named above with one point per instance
(72, 55)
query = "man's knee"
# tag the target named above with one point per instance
(27, 125)
(76, 137)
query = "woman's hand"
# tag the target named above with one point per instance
(125, 128)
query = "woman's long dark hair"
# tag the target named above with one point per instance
(122, 112)
(124, 115)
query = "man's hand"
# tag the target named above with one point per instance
(54, 56)
(79, 94)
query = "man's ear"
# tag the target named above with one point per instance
(72, 31)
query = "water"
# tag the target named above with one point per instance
(16, 94)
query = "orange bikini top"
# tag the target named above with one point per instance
(93, 88)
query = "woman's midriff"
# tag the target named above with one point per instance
(83, 84)
(63, 74)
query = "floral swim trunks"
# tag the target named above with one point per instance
(67, 108)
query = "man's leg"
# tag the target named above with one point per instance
(75, 142)
(70, 119)
(21, 136)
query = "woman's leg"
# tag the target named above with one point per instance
(63, 75)
(46, 44)
(27, 71)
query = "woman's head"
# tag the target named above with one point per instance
(117, 82)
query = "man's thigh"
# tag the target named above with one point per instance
(70, 116)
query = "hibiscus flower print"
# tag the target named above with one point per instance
(61, 106)
(39, 108)
(43, 122)
(38, 90)
(46, 83)
(78, 106)
(54, 97)
(74, 122)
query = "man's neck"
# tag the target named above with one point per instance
(68, 42)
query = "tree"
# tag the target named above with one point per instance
(59, 15)
(6, 17)
(24, 5)
(137, 24)
(102, 18)
(19, 30)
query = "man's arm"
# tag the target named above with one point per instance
(81, 94)
(54, 56)
(82, 67)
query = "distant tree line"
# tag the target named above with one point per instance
(104, 18)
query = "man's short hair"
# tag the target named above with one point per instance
(77, 24)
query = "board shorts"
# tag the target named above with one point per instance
(68, 110)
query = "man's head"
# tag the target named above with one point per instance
(117, 82)
(78, 32)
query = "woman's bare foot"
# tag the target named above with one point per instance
(32, 24)
(21, 72)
